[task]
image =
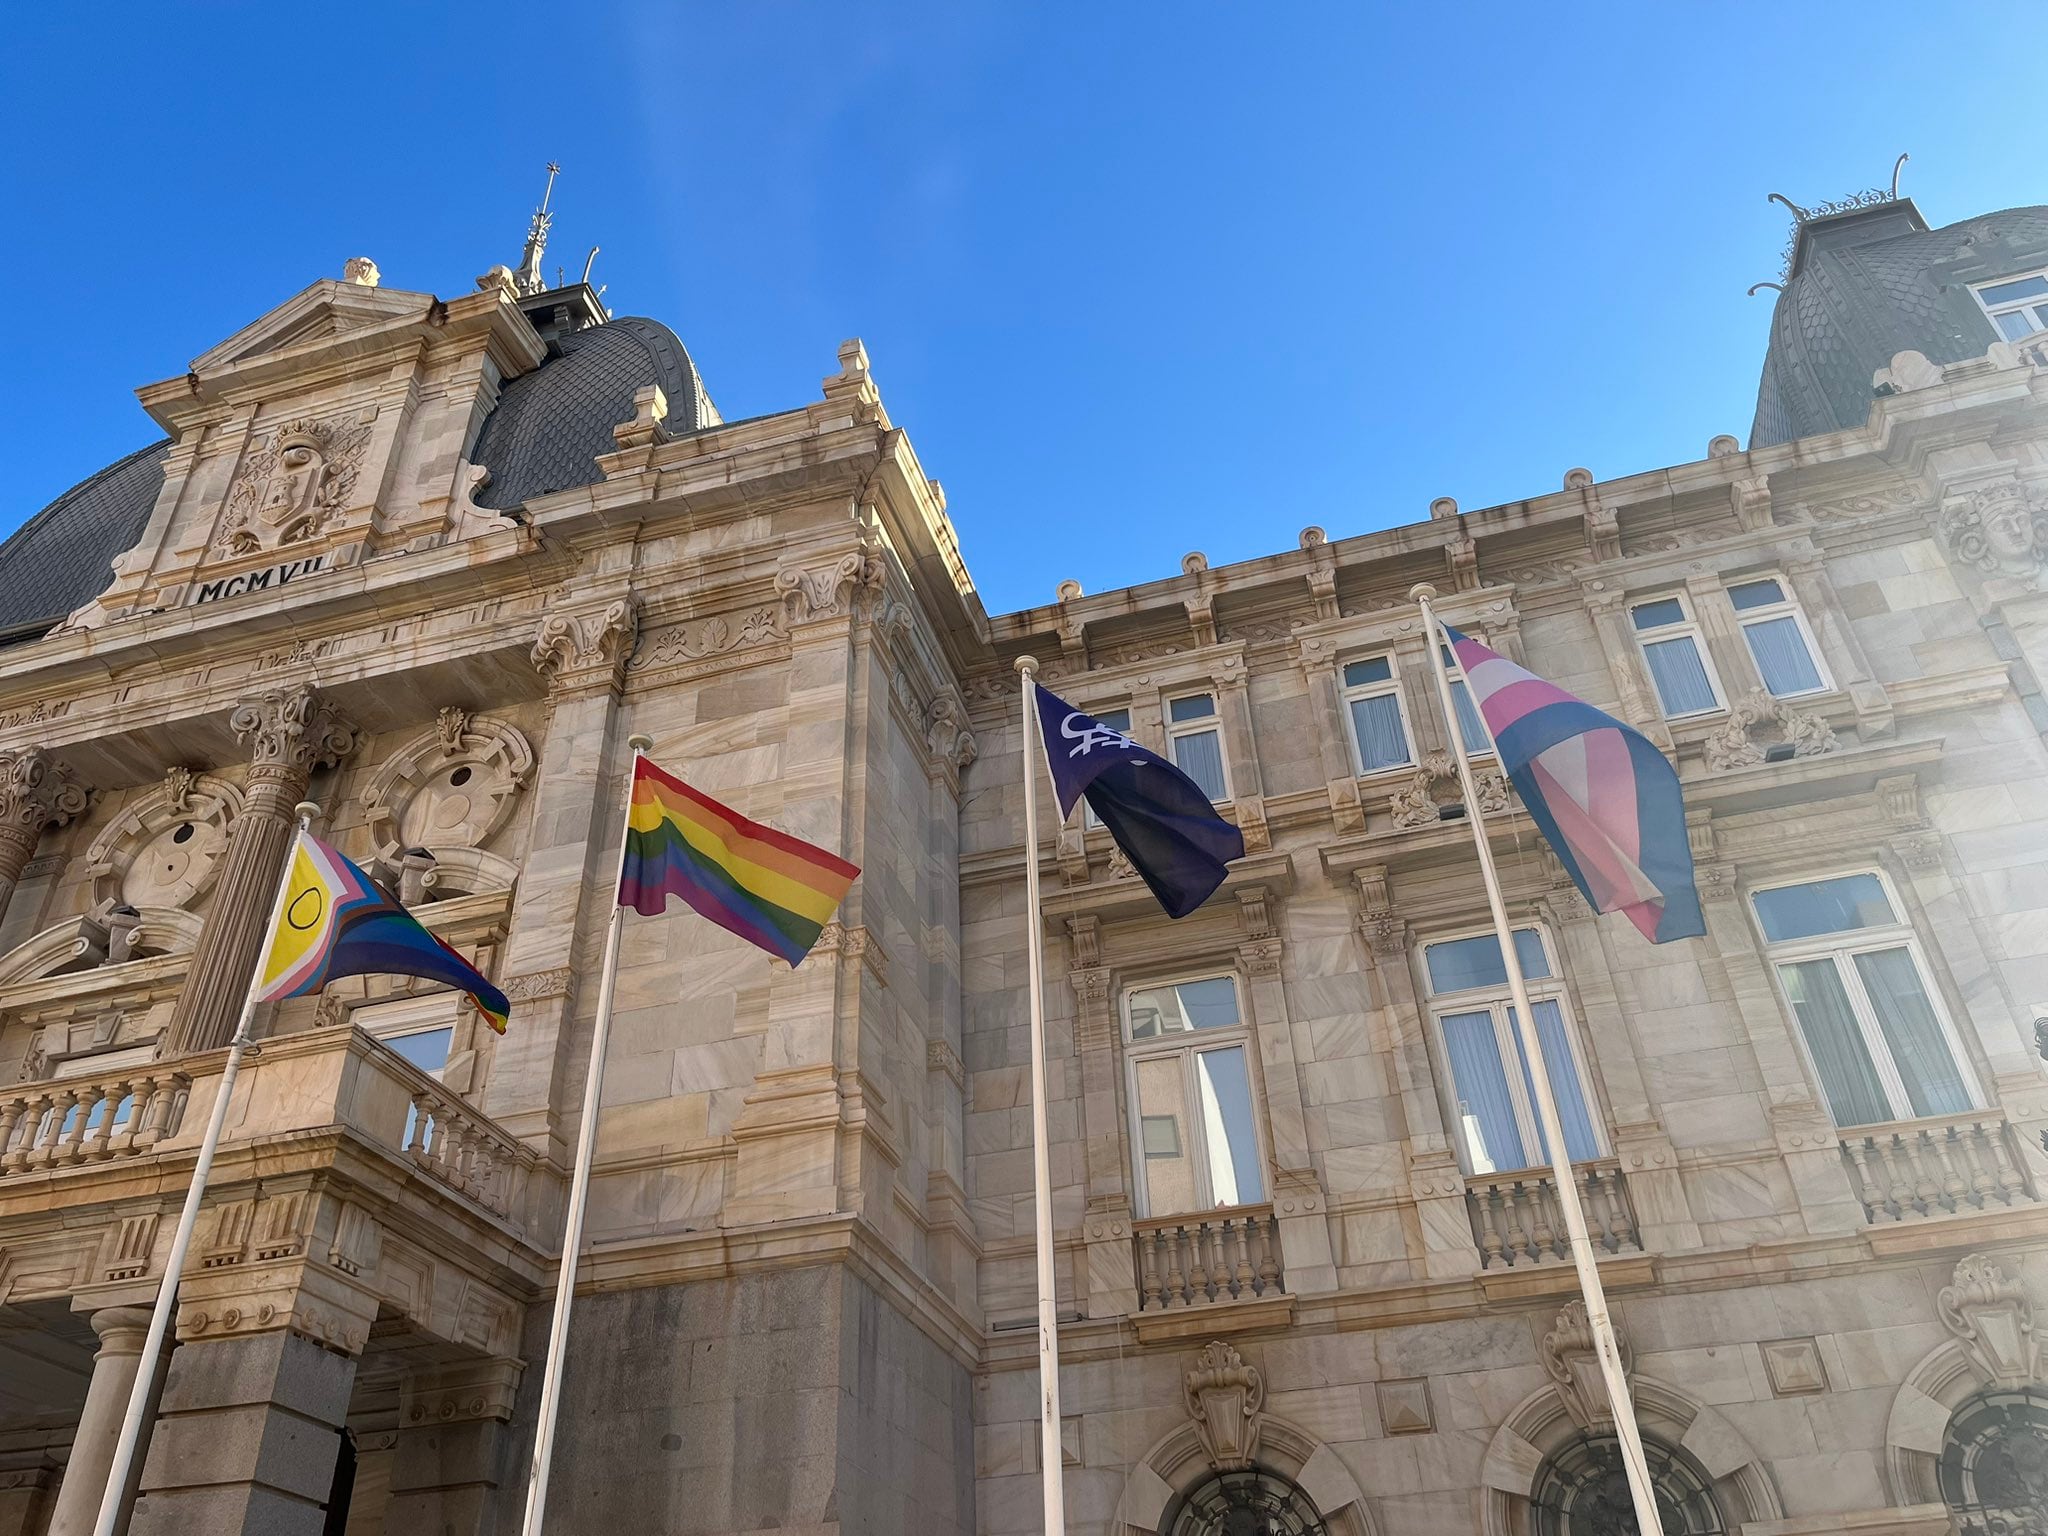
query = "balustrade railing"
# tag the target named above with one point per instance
(1916, 1169)
(451, 1143)
(67, 1122)
(1516, 1218)
(1208, 1257)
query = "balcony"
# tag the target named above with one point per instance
(1207, 1258)
(1921, 1170)
(1517, 1222)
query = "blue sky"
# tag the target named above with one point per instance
(1138, 278)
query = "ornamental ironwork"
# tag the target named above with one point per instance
(1582, 1490)
(1247, 1503)
(1994, 1463)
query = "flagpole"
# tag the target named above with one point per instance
(1041, 1151)
(579, 1186)
(181, 1241)
(1598, 1321)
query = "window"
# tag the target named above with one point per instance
(1779, 641)
(1194, 736)
(1471, 729)
(1118, 720)
(1874, 1029)
(1497, 1129)
(1191, 1097)
(91, 1066)
(2018, 306)
(1678, 662)
(1582, 1490)
(1372, 705)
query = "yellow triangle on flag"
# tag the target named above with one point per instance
(306, 927)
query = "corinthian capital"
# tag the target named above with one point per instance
(38, 791)
(293, 728)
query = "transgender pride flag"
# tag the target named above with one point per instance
(1605, 798)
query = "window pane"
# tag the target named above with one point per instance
(1486, 1115)
(1847, 1078)
(2015, 325)
(427, 1050)
(1169, 1175)
(1680, 676)
(1115, 719)
(1565, 1087)
(1381, 741)
(1755, 594)
(1476, 962)
(1187, 1005)
(1221, 1078)
(1197, 707)
(1374, 669)
(1471, 730)
(1781, 655)
(1200, 757)
(1840, 905)
(2019, 288)
(1665, 610)
(1912, 1032)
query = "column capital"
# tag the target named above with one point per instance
(295, 729)
(572, 649)
(38, 790)
(122, 1330)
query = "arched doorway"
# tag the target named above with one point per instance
(1253, 1502)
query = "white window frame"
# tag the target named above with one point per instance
(2035, 308)
(1187, 1045)
(1498, 1000)
(1347, 692)
(1177, 729)
(1689, 627)
(1842, 947)
(1787, 607)
(1455, 675)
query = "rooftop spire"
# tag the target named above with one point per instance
(528, 279)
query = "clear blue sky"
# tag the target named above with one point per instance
(1138, 278)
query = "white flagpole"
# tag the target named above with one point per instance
(1041, 1150)
(1597, 1319)
(579, 1187)
(174, 1266)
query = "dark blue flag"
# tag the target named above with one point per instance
(1158, 815)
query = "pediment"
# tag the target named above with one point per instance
(324, 312)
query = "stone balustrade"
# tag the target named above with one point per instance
(1207, 1258)
(1915, 1169)
(1516, 1217)
(453, 1144)
(81, 1120)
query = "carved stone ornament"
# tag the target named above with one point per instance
(1736, 744)
(164, 849)
(1418, 805)
(706, 639)
(293, 483)
(2001, 530)
(293, 728)
(1573, 1361)
(852, 585)
(1224, 1396)
(38, 791)
(450, 787)
(571, 645)
(947, 738)
(1989, 1312)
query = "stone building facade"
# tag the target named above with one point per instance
(429, 561)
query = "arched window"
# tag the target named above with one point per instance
(1252, 1503)
(1994, 1463)
(1582, 1490)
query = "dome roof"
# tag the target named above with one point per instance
(1873, 282)
(545, 434)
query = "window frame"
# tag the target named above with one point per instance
(1454, 675)
(1841, 946)
(2037, 303)
(1687, 626)
(1088, 817)
(1788, 606)
(1348, 692)
(1187, 1046)
(1212, 723)
(1497, 999)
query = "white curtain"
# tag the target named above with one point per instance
(1482, 1089)
(1680, 676)
(1855, 1095)
(1381, 741)
(1200, 757)
(1781, 655)
(1912, 1032)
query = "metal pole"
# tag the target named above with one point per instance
(1041, 1151)
(174, 1266)
(579, 1186)
(1597, 1319)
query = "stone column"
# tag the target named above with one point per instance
(445, 1464)
(36, 791)
(122, 1331)
(293, 731)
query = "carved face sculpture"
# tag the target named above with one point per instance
(2009, 530)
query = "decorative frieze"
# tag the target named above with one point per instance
(700, 640)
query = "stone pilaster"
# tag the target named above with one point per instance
(36, 791)
(1605, 602)
(1112, 1285)
(291, 732)
(122, 1331)
(1317, 659)
(445, 1462)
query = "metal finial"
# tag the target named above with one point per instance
(1754, 286)
(585, 278)
(1897, 166)
(529, 278)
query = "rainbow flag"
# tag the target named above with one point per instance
(771, 889)
(335, 923)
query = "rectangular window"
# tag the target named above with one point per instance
(1676, 656)
(1471, 729)
(1879, 1040)
(1195, 737)
(1191, 1097)
(1118, 720)
(1379, 723)
(1497, 1127)
(2018, 306)
(1779, 641)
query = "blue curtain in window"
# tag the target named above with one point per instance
(1680, 676)
(1381, 741)
(1485, 1111)
(1565, 1086)
(1781, 656)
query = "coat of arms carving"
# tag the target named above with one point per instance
(293, 483)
